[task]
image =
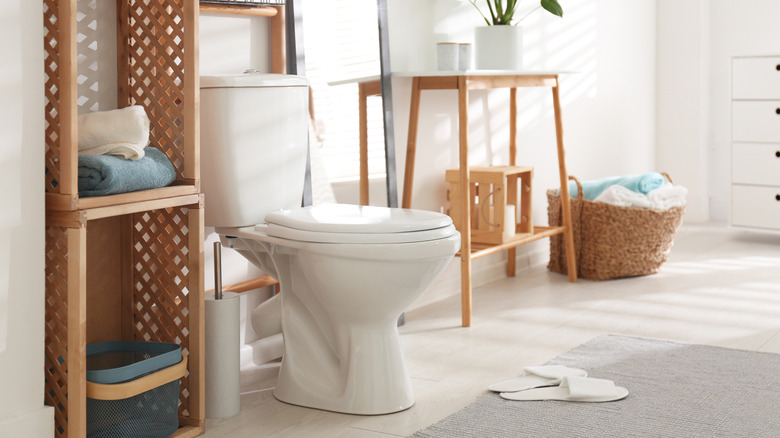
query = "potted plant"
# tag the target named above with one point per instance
(499, 45)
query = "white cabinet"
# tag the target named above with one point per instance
(755, 148)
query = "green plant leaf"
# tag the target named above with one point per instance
(500, 13)
(492, 12)
(511, 6)
(552, 7)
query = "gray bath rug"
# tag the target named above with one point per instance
(675, 390)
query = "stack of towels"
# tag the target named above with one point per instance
(114, 156)
(647, 190)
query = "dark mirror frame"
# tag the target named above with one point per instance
(387, 104)
(296, 65)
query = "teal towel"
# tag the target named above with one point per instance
(642, 183)
(101, 175)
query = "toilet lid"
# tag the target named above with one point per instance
(342, 223)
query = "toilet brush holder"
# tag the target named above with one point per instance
(223, 392)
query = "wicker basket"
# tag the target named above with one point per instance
(611, 241)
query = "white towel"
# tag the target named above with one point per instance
(123, 132)
(623, 197)
(668, 196)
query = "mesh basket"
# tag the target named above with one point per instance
(611, 241)
(133, 389)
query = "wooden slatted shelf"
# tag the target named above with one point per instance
(128, 266)
(254, 10)
(480, 250)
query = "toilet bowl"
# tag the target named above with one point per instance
(346, 272)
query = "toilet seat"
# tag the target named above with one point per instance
(343, 223)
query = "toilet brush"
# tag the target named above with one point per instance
(223, 391)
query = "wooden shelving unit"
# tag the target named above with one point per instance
(124, 267)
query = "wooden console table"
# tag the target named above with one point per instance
(463, 81)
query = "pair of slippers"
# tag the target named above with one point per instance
(558, 382)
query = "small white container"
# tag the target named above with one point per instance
(447, 55)
(510, 221)
(464, 56)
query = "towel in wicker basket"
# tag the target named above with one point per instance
(611, 241)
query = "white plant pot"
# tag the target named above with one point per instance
(498, 47)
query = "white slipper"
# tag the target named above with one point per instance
(577, 389)
(535, 377)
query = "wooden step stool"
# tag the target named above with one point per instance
(493, 188)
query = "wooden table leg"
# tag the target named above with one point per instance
(465, 185)
(363, 120)
(411, 144)
(511, 254)
(571, 260)
(77, 332)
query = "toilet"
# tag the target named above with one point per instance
(346, 272)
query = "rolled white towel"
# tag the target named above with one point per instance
(623, 197)
(123, 132)
(668, 196)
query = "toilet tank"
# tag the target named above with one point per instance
(253, 145)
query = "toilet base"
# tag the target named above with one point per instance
(341, 411)
(367, 378)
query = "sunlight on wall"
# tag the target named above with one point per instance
(11, 176)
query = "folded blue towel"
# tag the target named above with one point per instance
(642, 183)
(101, 175)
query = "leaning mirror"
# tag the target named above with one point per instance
(347, 63)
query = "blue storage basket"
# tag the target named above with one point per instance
(133, 389)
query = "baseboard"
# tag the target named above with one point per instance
(36, 424)
(484, 270)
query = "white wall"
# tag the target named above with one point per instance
(22, 412)
(683, 100)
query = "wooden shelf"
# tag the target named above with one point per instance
(479, 250)
(253, 10)
(79, 218)
(58, 202)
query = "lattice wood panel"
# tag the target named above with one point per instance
(51, 38)
(56, 369)
(155, 56)
(161, 282)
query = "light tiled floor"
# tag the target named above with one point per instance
(720, 287)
